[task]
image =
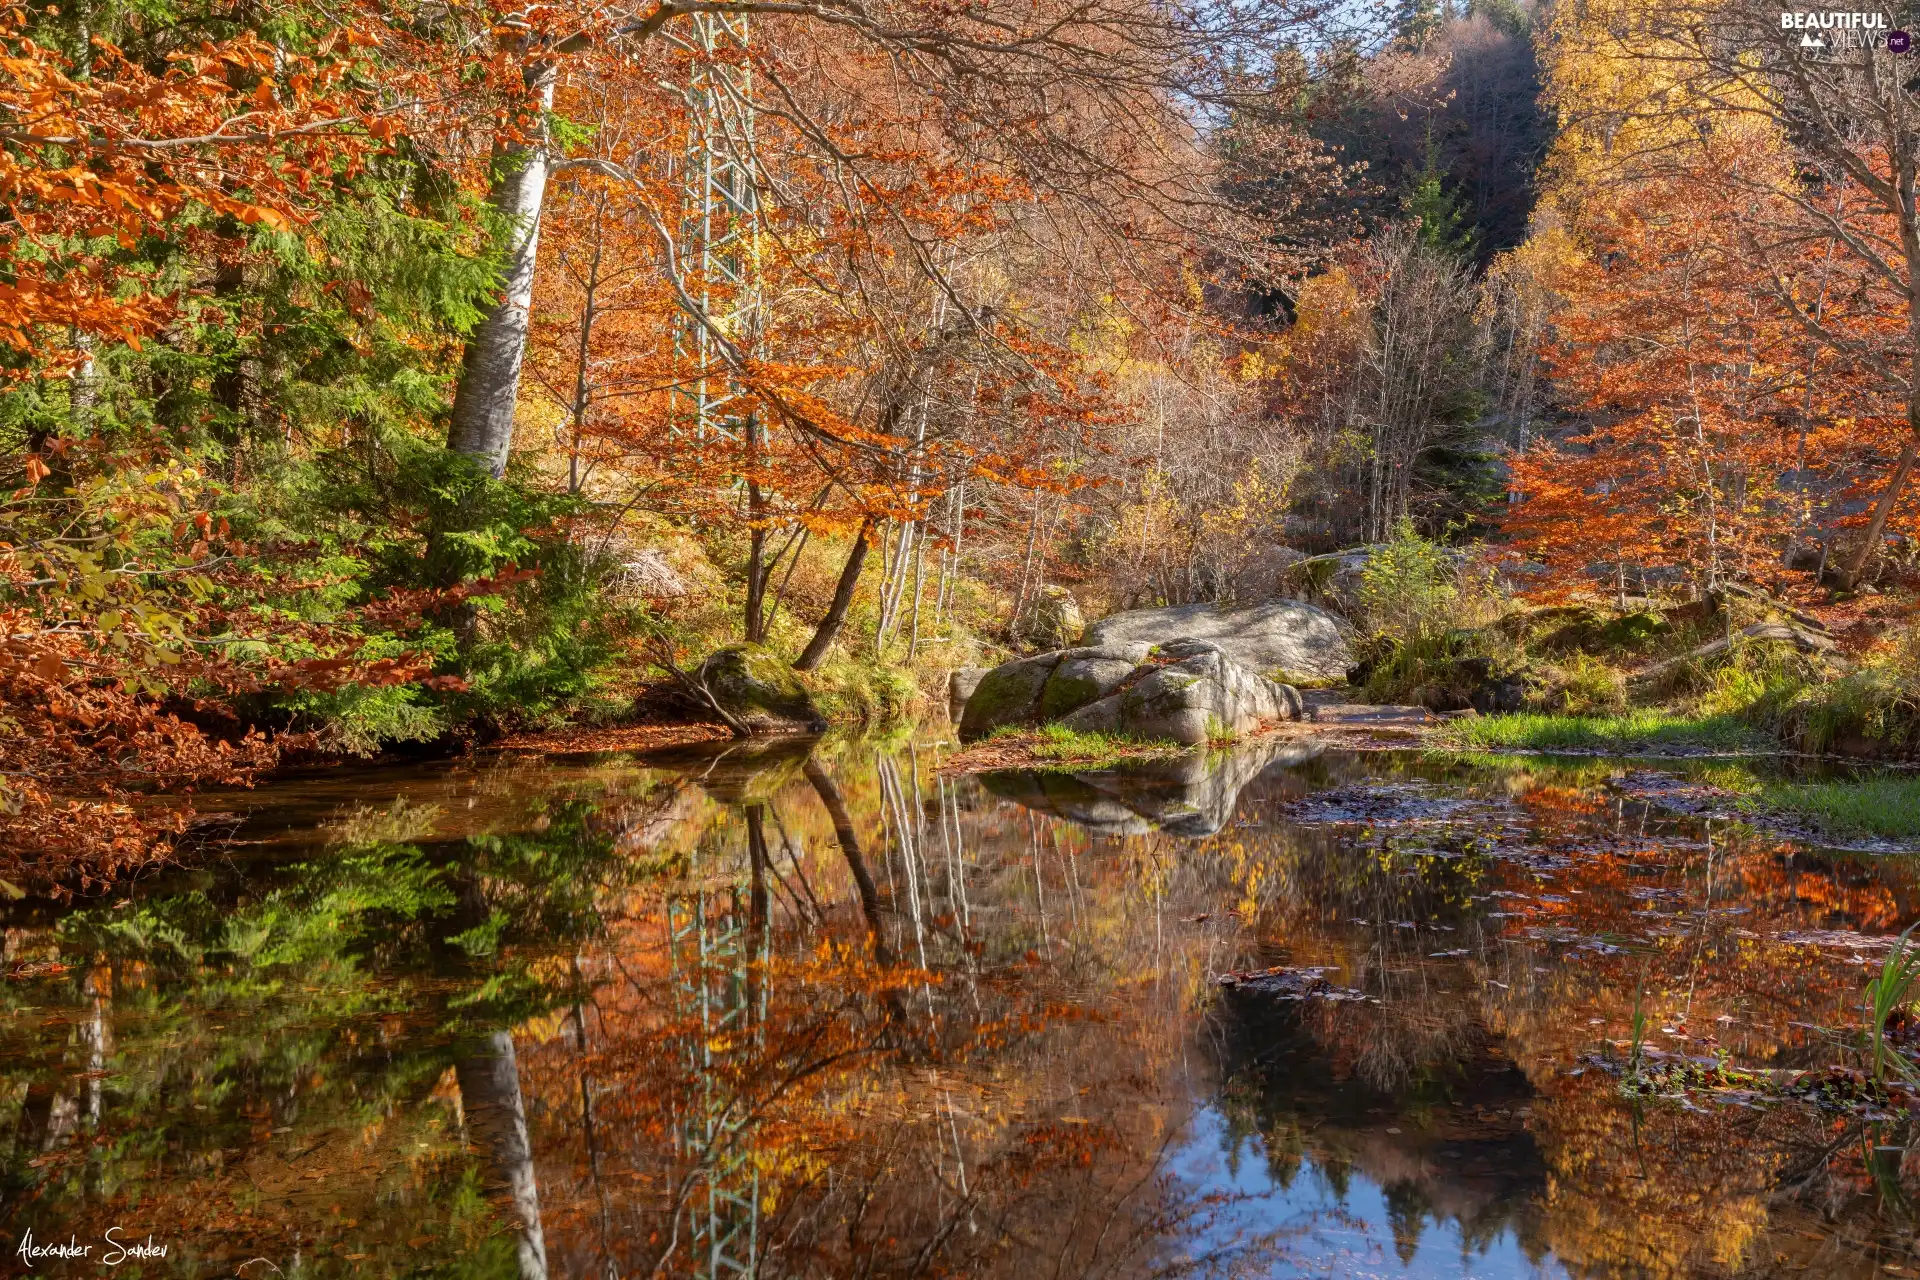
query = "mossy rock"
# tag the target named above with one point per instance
(760, 689)
(1580, 629)
(1007, 695)
(1078, 681)
(1633, 630)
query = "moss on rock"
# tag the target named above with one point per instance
(1007, 695)
(760, 689)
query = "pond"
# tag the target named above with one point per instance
(824, 1011)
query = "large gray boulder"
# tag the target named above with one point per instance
(1013, 692)
(960, 686)
(1278, 639)
(1185, 691)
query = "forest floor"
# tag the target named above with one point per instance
(1053, 746)
(1639, 731)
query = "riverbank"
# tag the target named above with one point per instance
(581, 739)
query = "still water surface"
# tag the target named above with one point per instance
(835, 1015)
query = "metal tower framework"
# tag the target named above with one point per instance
(718, 243)
(715, 949)
(712, 938)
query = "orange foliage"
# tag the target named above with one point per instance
(1718, 426)
(115, 153)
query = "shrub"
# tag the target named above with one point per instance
(1876, 708)
(1396, 667)
(1409, 587)
(849, 690)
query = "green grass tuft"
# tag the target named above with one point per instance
(1887, 806)
(1057, 742)
(1630, 731)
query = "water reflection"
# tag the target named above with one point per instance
(783, 1012)
(1188, 795)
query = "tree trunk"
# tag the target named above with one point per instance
(84, 394)
(829, 628)
(483, 402)
(1863, 558)
(844, 832)
(759, 909)
(1026, 571)
(757, 568)
(919, 589)
(490, 1099)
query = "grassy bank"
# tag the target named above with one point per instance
(1636, 730)
(1887, 806)
(1055, 746)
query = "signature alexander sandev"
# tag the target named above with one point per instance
(113, 1249)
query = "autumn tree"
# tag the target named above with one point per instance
(1675, 362)
(996, 75)
(1807, 147)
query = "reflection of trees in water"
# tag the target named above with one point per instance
(1444, 1137)
(496, 1120)
(961, 1045)
(1675, 1188)
(273, 1064)
(961, 1062)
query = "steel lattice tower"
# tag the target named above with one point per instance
(718, 246)
(715, 949)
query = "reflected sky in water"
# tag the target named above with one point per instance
(1337, 1227)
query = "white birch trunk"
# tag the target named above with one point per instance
(489, 386)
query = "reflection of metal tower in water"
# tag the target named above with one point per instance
(717, 248)
(719, 939)
(718, 930)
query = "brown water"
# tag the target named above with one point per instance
(839, 1016)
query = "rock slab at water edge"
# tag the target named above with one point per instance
(1185, 691)
(1284, 637)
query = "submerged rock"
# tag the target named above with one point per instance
(759, 688)
(1185, 691)
(1285, 636)
(1288, 982)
